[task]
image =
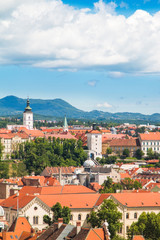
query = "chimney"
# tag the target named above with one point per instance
(78, 225)
(94, 126)
(106, 231)
(60, 222)
(4, 235)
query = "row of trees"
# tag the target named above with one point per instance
(40, 153)
(128, 184)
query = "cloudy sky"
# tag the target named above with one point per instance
(102, 55)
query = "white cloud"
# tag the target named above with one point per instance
(103, 105)
(50, 34)
(92, 83)
(115, 74)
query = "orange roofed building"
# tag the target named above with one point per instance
(131, 205)
(150, 140)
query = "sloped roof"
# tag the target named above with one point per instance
(19, 225)
(147, 199)
(71, 200)
(51, 190)
(151, 136)
(138, 237)
(12, 201)
(96, 234)
(125, 142)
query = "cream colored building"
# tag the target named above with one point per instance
(11, 142)
(34, 207)
(131, 205)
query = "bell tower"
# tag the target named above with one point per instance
(28, 116)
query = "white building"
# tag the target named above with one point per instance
(28, 116)
(94, 142)
(150, 140)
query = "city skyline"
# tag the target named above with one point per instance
(93, 54)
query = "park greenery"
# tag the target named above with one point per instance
(148, 225)
(40, 153)
(107, 212)
(58, 212)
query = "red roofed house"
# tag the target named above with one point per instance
(150, 140)
(35, 206)
(118, 145)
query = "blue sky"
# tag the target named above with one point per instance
(95, 55)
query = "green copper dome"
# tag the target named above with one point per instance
(28, 108)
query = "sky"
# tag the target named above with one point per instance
(102, 55)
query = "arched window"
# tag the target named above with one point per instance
(135, 215)
(79, 216)
(34, 220)
(127, 215)
(87, 216)
(71, 217)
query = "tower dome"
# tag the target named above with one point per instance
(88, 164)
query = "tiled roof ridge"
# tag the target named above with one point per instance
(96, 232)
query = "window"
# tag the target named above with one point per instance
(127, 229)
(120, 230)
(35, 220)
(135, 215)
(87, 216)
(79, 216)
(127, 215)
(71, 217)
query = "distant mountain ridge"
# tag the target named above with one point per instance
(12, 105)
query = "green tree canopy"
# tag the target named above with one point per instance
(139, 154)
(109, 212)
(58, 212)
(147, 225)
(41, 153)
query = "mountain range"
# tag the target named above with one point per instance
(58, 108)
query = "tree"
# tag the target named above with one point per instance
(139, 154)
(130, 184)
(108, 151)
(109, 212)
(109, 187)
(1, 149)
(58, 212)
(126, 152)
(148, 225)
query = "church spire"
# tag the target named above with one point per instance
(65, 126)
(28, 108)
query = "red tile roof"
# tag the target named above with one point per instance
(124, 175)
(12, 201)
(151, 136)
(124, 143)
(138, 237)
(101, 198)
(50, 190)
(71, 200)
(147, 199)
(96, 234)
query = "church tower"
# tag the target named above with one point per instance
(28, 116)
(65, 126)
